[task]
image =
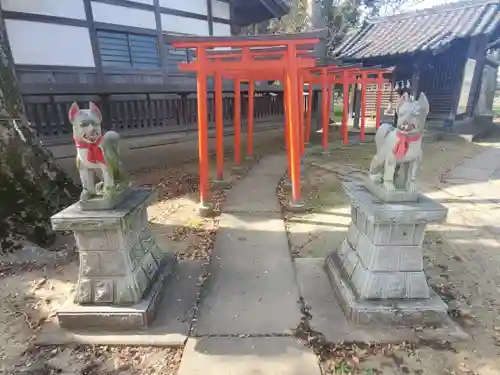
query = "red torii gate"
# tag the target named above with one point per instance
(274, 57)
(287, 58)
(316, 75)
(326, 76)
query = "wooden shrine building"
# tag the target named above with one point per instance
(112, 52)
(444, 51)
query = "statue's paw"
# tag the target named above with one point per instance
(99, 186)
(412, 187)
(84, 195)
(389, 186)
(375, 177)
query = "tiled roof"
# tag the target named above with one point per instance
(425, 30)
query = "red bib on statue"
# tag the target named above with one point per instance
(401, 148)
(95, 154)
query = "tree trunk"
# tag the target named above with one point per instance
(32, 188)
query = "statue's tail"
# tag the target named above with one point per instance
(110, 146)
(112, 140)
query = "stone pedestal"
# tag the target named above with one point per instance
(122, 270)
(378, 270)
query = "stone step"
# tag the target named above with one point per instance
(247, 356)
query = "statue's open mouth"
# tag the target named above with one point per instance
(406, 127)
(91, 138)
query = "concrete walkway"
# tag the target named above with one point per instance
(250, 305)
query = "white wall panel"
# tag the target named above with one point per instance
(36, 43)
(58, 8)
(222, 29)
(192, 6)
(184, 25)
(118, 15)
(220, 10)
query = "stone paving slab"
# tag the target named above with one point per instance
(170, 328)
(479, 168)
(471, 193)
(463, 174)
(252, 287)
(247, 356)
(487, 160)
(250, 197)
(257, 191)
(329, 319)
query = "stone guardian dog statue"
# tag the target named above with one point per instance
(399, 151)
(97, 153)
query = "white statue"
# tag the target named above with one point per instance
(96, 152)
(399, 150)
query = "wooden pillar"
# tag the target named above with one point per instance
(293, 124)
(309, 112)
(206, 207)
(477, 76)
(219, 127)
(379, 99)
(352, 99)
(345, 111)
(363, 107)
(251, 93)
(331, 105)
(317, 111)
(457, 88)
(287, 131)
(300, 99)
(237, 122)
(357, 105)
(415, 81)
(210, 18)
(324, 110)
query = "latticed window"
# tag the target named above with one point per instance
(127, 50)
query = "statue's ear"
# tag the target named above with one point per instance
(402, 100)
(73, 111)
(423, 103)
(95, 111)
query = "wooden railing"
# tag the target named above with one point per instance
(141, 113)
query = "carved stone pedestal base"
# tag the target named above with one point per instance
(296, 206)
(122, 270)
(119, 318)
(221, 184)
(407, 312)
(378, 271)
(206, 209)
(237, 169)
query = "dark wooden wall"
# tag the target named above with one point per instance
(140, 92)
(439, 77)
(141, 113)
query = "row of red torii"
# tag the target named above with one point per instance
(288, 58)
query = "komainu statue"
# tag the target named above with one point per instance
(97, 153)
(399, 149)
